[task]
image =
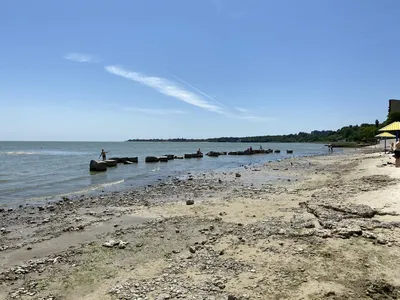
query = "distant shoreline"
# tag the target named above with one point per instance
(334, 144)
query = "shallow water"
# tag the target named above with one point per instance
(32, 171)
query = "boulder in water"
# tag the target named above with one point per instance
(133, 159)
(111, 163)
(213, 154)
(98, 166)
(152, 159)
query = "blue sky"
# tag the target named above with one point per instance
(113, 70)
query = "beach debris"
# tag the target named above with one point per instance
(113, 243)
(4, 230)
(50, 207)
(189, 202)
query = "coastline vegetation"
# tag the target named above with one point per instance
(347, 136)
(351, 135)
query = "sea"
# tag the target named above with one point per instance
(31, 172)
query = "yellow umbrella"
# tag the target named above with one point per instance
(395, 126)
(386, 135)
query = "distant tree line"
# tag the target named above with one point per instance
(364, 133)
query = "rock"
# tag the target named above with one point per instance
(150, 159)
(347, 232)
(238, 175)
(189, 202)
(122, 245)
(330, 293)
(231, 297)
(111, 163)
(192, 249)
(110, 243)
(97, 166)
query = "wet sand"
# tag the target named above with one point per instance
(324, 227)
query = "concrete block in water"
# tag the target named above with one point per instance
(111, 163)
(152, 159)
(98, 166)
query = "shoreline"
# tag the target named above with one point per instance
(233, 216)
(121, 184)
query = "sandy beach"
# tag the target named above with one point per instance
(325, 227)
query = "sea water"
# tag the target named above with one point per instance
(33, 171)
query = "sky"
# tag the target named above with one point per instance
(115, 70)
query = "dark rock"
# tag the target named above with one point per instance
(189, 202)
(238, 175)
(150, 159)
(192, 249)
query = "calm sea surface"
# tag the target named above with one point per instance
(33, 171)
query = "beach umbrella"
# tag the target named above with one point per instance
(385, 135)
(395, 126)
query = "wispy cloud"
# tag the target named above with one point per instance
(81, 57)
(242, 110)
(155, 111)
(165, 87)
(196, 89)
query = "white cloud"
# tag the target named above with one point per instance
(171, 89)
(154, 111)
(165, 87)
(242, 110)
(81, 57)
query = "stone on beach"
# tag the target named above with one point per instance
(113, 243)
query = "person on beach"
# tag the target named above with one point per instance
(397, 153)
(103, 154)
(198, 151)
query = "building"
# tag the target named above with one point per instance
(394, 105)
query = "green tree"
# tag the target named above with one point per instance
(393, 117)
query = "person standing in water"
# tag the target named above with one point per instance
(103, 154)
